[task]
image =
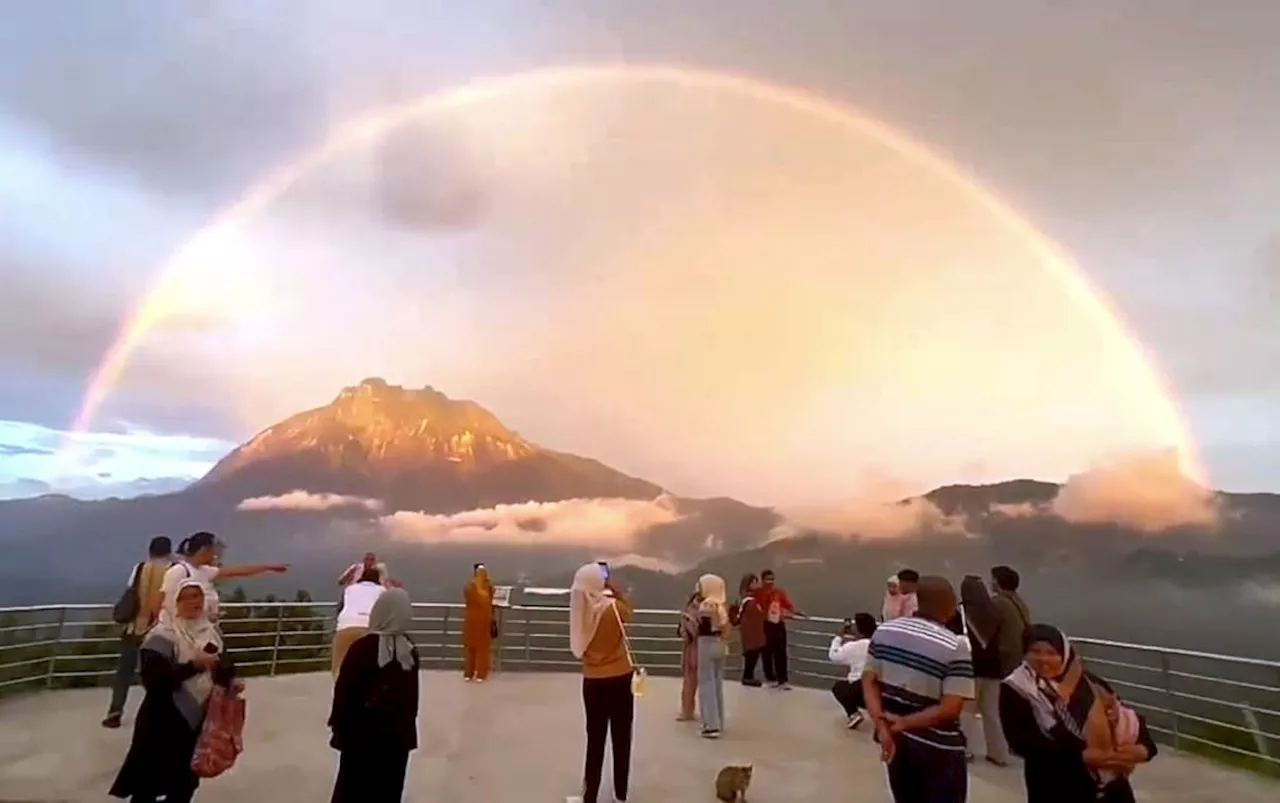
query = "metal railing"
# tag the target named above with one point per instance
(1223, 707)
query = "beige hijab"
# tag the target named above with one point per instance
(587, 605)
(711, 588)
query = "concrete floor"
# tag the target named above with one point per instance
(520, 737)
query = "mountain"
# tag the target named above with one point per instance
(411, 450)
(407, 450)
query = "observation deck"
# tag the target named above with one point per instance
(520, 735)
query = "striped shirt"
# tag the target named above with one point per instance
(917, 662)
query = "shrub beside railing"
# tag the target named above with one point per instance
(1222, 707)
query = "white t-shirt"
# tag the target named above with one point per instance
(852, 654)
(177, 575)
(357, 602)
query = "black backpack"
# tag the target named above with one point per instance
(127, 607)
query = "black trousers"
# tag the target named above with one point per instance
(923, 774)
(849, 695)
(370, 776)
(775, 652)
(610, 709)
(749, 659)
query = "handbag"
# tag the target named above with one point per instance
(221, 738)
(638, 677)
(125, 611)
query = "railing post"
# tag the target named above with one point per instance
(275, 647)
(497, 642)
(1166, 676)
(57, 645)
(528, 622)
(444, 639)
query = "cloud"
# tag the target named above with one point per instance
(1144, 491)
(98, 465)
(605, 524)
(303, 500)
(1264, 593)
(884, 509)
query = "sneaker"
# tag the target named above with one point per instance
(710, 733)
(479, 680)
(855, 721)
(685, 717)
(999, 762)
(784, 686)
(468, 678)
(112, 721)
(753, 683)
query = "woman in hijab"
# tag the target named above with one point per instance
(749, 618)
(375, 706)
(688, 630)
(1077, 741)
(891, 608)
(181, 661)
(477, 625)
(598, 637)
(713, 639)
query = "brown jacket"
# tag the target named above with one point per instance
(606, 656)
(749, 619)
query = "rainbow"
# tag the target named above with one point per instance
(157, 303)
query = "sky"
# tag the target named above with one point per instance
(696, 286)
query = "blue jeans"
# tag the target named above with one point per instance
(711, 658)
(126, 670)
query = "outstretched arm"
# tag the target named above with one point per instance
(232, 572)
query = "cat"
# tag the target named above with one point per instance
(732, 783)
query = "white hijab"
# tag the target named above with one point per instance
(587, 604)
(714, 596)
(190, 637)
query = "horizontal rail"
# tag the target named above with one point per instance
(1221, 706)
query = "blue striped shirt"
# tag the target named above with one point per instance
(917, 662)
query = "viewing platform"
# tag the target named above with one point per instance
(520, 736)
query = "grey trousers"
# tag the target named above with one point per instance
(987, 707)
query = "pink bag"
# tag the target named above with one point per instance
(222, 737)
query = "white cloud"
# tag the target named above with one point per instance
(1146, 491)
(606, 524)
(303, 500)
(96, 465)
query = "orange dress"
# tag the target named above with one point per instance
(477, 633)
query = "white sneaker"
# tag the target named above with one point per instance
(573, 799)
(479, 680)
(855, 721)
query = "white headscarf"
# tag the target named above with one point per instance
(390, 618)
(189, 638)
(711, 587)
(587, 604)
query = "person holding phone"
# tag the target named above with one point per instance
(182, 661)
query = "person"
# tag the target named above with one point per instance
(477, 625)
(145, 582)
(849, 648)
(374, 718)
(777, 607)
(916, 680)
(355, 571)
(891, 608)
(997, 628)
(182, 660)
(1065, 724)
(358, 599)
(598, 637)
(908, 603)
(748, 617)
(688, 629)
(199, 558)
(713, 641)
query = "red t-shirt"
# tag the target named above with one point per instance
(771, 597)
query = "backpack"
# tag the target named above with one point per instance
(127, 607)
(222, 736)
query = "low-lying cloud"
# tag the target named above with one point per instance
(1145, 491)
(607, 524)
(303, 500)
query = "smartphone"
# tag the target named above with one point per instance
(604, 568)
(211, 648)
